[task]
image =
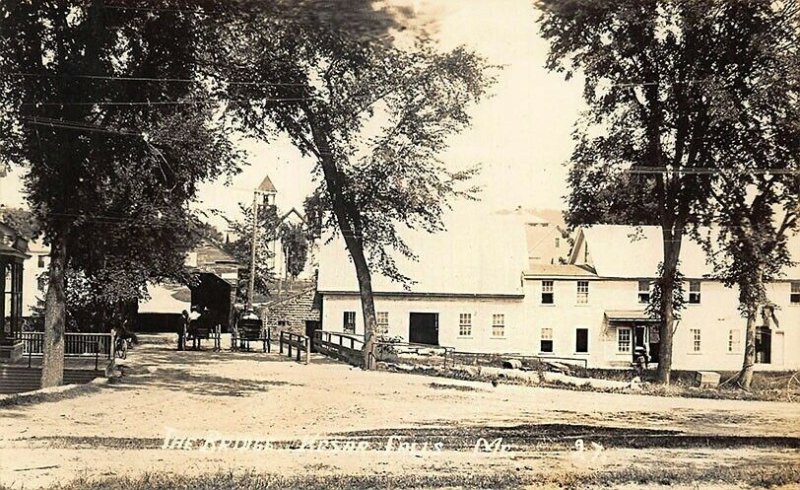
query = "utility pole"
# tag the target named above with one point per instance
(253, 252)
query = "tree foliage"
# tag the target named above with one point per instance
(109, 108)
(294, 240)
(677, 92)
(241, 248)
(375, 118)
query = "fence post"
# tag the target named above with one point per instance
(299, 350)
(289, 344)
(308, 350)
(280, 341)
(113, 348)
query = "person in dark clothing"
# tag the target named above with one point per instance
(183, 327)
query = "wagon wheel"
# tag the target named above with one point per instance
(793, 387)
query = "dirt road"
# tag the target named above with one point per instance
(261, 412)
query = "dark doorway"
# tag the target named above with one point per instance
(214, 293)
(763, 345)
(646, 336)
(581, 340)
(311, 327)
(423, 328)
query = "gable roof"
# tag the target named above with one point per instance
(475, 256)
(620, 251)
(267, 186)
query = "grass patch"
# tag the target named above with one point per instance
(22, 399)
(762, 476)
(767, 386)
(442, 386)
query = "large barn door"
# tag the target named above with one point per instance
(423, 328)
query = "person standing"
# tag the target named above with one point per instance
(183, 327)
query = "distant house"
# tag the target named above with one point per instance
(479, 291)
(546, 234)
(33, 295)
(218, 273)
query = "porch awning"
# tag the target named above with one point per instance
(629, 316)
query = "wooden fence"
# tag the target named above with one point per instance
(75, 344)
(301, 344)
(341, 346)
(97, 345)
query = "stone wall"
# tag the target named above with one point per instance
(292, 311)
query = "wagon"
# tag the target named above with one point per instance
(200, 330)
(250, 328)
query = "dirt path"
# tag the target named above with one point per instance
(252, 396)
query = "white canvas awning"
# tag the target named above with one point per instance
(166, 299)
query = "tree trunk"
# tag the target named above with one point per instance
(672, 248)
(349, 219)
(745, 377)
(367, 301)
(55, 315)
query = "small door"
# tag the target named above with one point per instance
(639, 339)
(423, 328)
(763, 345)
(311, 327)
(653, 342)
(581, 340)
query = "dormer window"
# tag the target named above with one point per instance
(644, 292)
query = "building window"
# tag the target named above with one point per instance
(694, 292)
(583, 292)
(283, 323)
(349, 322)
(794, 297)
(41, 262)
(644, 292)
(624, 339)
(546, 343)
(465, 325)
(382, 320)
(581, 340)
(734, 340)
(558, 242)
(547, 292)
(695, 335)
(498, 325)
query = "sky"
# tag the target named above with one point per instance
(521, 135)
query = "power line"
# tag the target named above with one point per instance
(58, 123)
(713, 171)
(153, 79)
(161, 102)
(646, 84)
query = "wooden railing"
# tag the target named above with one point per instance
(301, 344)
(75, 344)
(95, 345)
(341, 346)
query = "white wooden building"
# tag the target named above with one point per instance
(478, 292)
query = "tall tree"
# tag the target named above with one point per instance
(294, 240)
(110, 107)
(670, 86)
(755, 217)
(373, 116)
(241, 248)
